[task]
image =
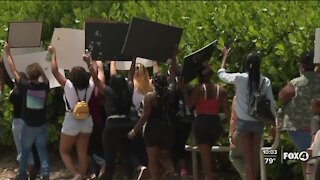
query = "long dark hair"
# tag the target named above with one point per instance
(253, 62)
(122, 96)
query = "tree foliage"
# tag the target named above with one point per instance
(280, 31)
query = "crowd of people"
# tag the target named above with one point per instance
(146, 121)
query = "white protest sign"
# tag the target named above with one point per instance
(23, 60)
(125, 65)
(69, 45)
(316, 59)
(18, 51)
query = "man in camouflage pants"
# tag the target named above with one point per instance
(296, 97)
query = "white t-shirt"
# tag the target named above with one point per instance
(71, 95)
(240, 80)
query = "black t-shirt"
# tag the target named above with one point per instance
(16, 99)
(33, 102)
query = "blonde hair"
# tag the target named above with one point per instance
(141, 79)
(34, 71)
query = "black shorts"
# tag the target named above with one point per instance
(160, 136)
(207, 129)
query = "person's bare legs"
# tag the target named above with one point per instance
(66, 145)
(205, 154)
(256, 149)
(249, 142)
(166, 162)
(82, 149)
(153, 154)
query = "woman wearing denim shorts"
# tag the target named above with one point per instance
(248, 128)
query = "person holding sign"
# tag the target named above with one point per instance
(208, 98)
(75, 130)
(33, 114)
(117, 103)
(248, 128)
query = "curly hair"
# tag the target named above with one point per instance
(79, 77)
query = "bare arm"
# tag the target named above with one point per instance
(286, 93)
(97, 82)
(155, 67)
(100, 70)
(54, 67)
(225, 55)
(113, 68)
(11, 64)
(233, 121)
(148, 103)
(132, 70)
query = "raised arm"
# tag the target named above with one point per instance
(113, 68)
(100, 70)
(54, 67)
(225, 55)
(155, 67)
(132, 70)
(97, 82)
(11, 64)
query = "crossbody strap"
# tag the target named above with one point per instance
(85, 95)
(67, 103)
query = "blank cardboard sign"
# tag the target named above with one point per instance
(23, 60)
(125, 65)
(18, 51)
(151, 40)
(69, 45)
(317, 47)
(25, 34)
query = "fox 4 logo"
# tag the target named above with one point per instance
(302, 156)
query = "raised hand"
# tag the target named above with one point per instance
(51, 49)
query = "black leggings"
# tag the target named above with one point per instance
(182, 131)
(115, 140)
(95, 145)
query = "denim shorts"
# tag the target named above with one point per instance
(301, 139)
(244, 126)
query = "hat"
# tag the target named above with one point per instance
(151, 40)
(193, 62)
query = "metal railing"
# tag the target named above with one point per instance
(194, 150)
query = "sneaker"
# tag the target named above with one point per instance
(77, 177)
(183, 172)
(143, 173)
